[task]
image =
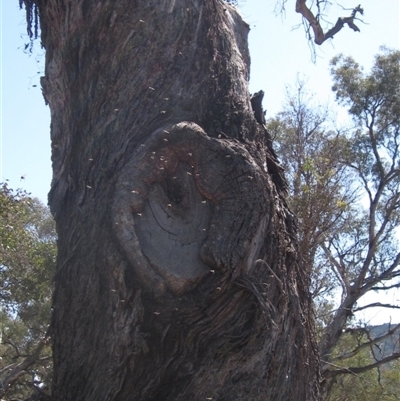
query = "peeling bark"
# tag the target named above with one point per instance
(178, 273)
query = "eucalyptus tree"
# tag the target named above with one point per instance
(27, 266)
(367, 256)
(321, 192)
(178, 273)
(345, 190)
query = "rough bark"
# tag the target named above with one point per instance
(178, 276)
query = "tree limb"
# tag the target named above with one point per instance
(341, 271)
(367, 344)
(21, 367)
(376, 304)
(387, 287)
(342, 21)
(360, 369)
(388, 274)
(319, 35)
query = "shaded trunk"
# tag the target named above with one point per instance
(178, 276)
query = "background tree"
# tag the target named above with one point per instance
(351, 249)
(27, 265)
(321, 194)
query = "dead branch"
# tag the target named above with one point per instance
(20, 368)
(360, 369)
(319, 35)
(387, 287)
(367, 344)
(340, 270)
(376, 304)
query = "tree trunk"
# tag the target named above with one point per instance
(178, 276)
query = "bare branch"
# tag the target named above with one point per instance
(319, 35)
(19, 369)
(376, 304)
(367, 344)
(301, 8)
(13, 345)
(386, 287)
(360, 369)
(341, 271)
(346, 20)
(388, 274)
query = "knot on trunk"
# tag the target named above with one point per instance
(187, 204)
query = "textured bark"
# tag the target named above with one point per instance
(178, 276)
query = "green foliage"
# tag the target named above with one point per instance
(366, 387)
(321, 197)
(378, 384)
(27, 265)
(372, 98)
(374, 103)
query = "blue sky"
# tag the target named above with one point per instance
(279, 54)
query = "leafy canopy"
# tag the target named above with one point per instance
(27, 265)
